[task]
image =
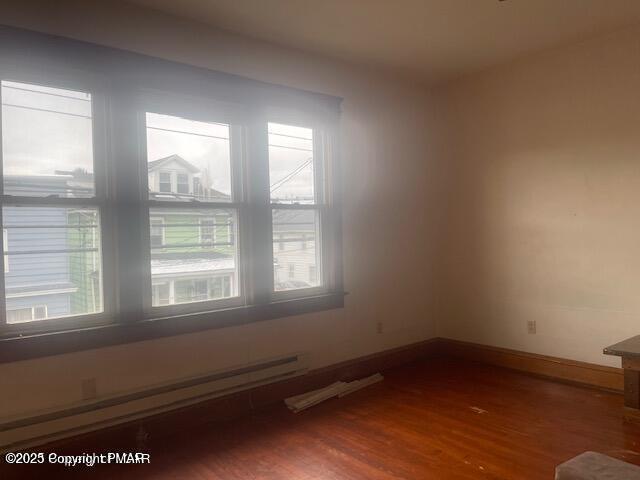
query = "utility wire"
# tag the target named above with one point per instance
(88, 117)
(289, 176)
(48, 93)
(187, 133)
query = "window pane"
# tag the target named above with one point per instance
(293, 266)
(157, 232)
(47, 142)
(55, 262)
(291, 169)
(197, 259)
(188, 160)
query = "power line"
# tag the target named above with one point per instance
(187, 133)
(290, 136)
(48, 93)
(88, 117)
(291, 148)
(289, 176)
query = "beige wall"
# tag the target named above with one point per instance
(389, 215)
(544, 211)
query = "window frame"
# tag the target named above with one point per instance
(207, 110)
(160, 182)
(163, 239)
(329, 266)
(178, 175)
(82, 82)
(117, 80)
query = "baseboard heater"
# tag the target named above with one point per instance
(215, 384)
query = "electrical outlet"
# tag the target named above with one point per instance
(531, 326)
(379, 327)
(89, 388)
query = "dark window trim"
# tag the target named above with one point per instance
(29, 346)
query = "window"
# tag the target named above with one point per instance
(295, 201)
(207, 231)
(156, 232)
(165, 182)
(161, 294)
(198, 290)
(195, 200)
(52, 205)
(183, 183)
(221, 287)
(28, 314)
(191, 256)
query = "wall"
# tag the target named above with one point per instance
(388, 142)
(543, 215)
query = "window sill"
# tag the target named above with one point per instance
(33, 345)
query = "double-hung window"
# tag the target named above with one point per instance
(53, 203)
(192, 142)
(164, 182)
(156, 232)
(296, 191)
(143, 198)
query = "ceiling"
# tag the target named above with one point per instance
(432, 40)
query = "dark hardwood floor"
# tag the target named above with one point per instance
(436, 419)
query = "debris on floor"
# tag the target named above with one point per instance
(478, 410)
(337, 389)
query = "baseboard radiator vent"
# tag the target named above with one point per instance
(106, 411)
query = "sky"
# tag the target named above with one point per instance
(45, 129)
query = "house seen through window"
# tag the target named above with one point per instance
(198, 242)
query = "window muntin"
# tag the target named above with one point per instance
(189, 264)
(195, 155)
(47, 141)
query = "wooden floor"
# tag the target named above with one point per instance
(440, 419)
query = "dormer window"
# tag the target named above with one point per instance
(182, 180)
(165, 182)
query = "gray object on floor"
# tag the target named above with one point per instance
(596, 466)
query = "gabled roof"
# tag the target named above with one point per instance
(154, 164)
